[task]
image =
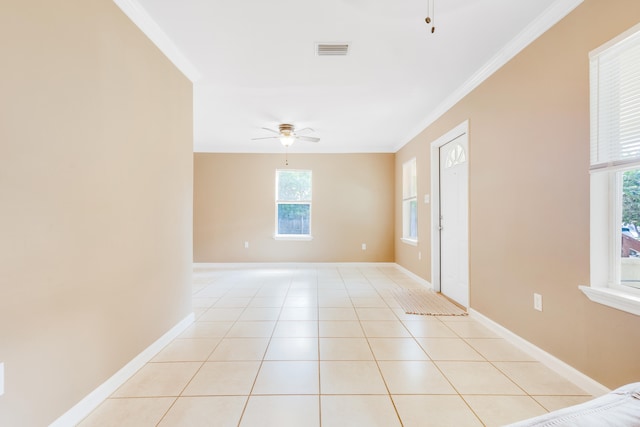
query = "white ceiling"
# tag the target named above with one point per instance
(253, 64)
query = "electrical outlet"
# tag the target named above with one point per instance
(1, 379)
(419, 255)
(364, 246)
(246, 245)
(537, 302)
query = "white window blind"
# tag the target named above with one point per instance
(615, 102)
(409, 200)
(409, 181)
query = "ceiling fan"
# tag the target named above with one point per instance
(287, 134)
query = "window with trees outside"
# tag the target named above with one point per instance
(615, 173)
(409, 202)
(293, 204)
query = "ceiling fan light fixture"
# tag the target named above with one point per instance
(286, 134)
(287, 140)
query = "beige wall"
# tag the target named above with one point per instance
(234, 196)
(529, 196)
(96, 201)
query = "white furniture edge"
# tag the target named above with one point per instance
(581, 380)
(90, 402)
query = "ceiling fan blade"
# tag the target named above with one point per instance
(271, 130)
(265, 137)
(305, 130)
(308, 138)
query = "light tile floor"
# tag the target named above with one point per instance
(329, 346)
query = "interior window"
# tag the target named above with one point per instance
(409, 201)
(615, 173)
(293, 202)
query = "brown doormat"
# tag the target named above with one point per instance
(426, 303)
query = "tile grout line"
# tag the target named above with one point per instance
(221, 338)
(433, 362)
(384, 381)
(452, 385)
(318, 341)
(213, 350)
(264, 355)
(197, 370)
(357, 288)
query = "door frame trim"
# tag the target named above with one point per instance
(461, 129)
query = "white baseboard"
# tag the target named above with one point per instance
(570, 373)
(225, 265)
(83, 408)
(414, 276)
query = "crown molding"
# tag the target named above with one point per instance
(550, 17)
(151, 29)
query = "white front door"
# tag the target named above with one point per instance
(454, 229)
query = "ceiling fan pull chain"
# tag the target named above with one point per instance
(430, 19)
(433, 15)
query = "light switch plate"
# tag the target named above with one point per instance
(537, 302)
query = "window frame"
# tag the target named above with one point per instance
(409, 194)
(606, 208)
(278, 202)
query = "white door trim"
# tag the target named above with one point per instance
(461, 129)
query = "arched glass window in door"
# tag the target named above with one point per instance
(456, 156)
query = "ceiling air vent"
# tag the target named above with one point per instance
(332, 49)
